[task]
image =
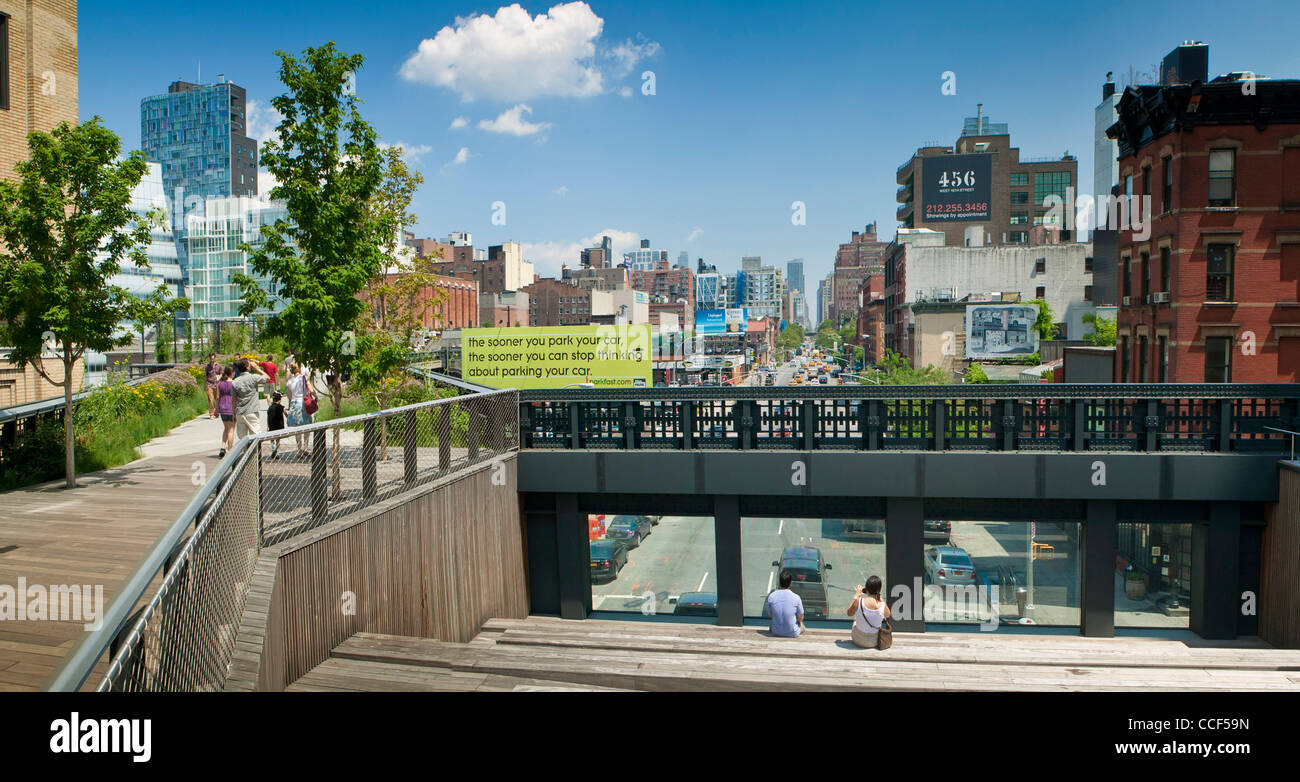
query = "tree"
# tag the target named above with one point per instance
(1045, 325)
(154, 308)
(791, 336)
(65, 227)
(1103, 330)
(328, 167)
(976, 374)
(399, 296)
(898, 371)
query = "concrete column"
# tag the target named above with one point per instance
(904, 557)
(727, 548)
(1216, 545)
(573, 557)
(1098, 540)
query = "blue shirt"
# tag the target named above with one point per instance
(783, 605)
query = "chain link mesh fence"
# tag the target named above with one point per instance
(287, 483)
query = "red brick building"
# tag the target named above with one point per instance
(555, 303)
(458, 307)
(854, 260)
(1211, 295)
(666, 283)
(871, 317)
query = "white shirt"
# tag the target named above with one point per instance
(296, 386)
(868, 620)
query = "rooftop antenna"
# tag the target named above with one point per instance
(200, 70)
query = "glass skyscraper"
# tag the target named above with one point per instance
(197, 133)
(214, 236)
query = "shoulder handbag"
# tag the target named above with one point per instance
(884, 633)
(309, 405)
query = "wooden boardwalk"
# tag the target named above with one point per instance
(96, 534)
(688, 657)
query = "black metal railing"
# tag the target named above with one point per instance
(1058, 417)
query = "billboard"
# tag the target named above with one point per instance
(721, 321)
(956, 188)
(558, 356)
(1001, 331)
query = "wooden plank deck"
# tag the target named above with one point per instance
(679, 657)
(96, 534)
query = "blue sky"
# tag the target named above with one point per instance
(756, 104)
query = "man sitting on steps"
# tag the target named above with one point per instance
(786, 609)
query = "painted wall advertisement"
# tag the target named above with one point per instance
(1001, 331)
(720, 321)
(558, 356)
(956, 188)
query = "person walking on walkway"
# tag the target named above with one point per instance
(869, 612)
(248, 419)
(212, 376)
(268, 366)
(226, 409)
(296, 386)
(275, 421)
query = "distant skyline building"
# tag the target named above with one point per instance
(644, 258)
(683, 260)
(599, 257)
(794, 275)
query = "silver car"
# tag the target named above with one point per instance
(949, 565)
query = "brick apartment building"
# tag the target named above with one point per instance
(555, 303)
(430, 249)
(854, 260)
(871, 317)
(665, 283)
(1211, 294)
(1016, 189)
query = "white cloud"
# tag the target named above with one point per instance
(462, 157)
(513, 56)
(561, 190)
(696, 233)
(626, 92)
(459, 122)
(261, 121)
(549, 256)
(512, 122)
(626, 55)
(412, 152)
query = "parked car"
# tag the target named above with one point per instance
(696, 604)
(607, 558)
(938, 530)
(822, 380)
(628, 530)
(644, 522)
(809, 571)
(949, 565)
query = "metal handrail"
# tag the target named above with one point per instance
(120, 615)
(961, 391)
(77, 665)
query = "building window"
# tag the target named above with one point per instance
(1087, 263)
(1167, 192)
(1164, 269)
(1142, 359)
(1218, 359)
(1123, 359)
(1223, 170)
(1020, 197)
(1125, 281)
(1162, 345)
(4, 61)
(1019, 179)
(1218, 272)
(1087, 293)
(1048, 183)
(1019, 218)
(1146, 277)
(1146, 180)
(1040, 292)
(1040, 266)
(1019, 237)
